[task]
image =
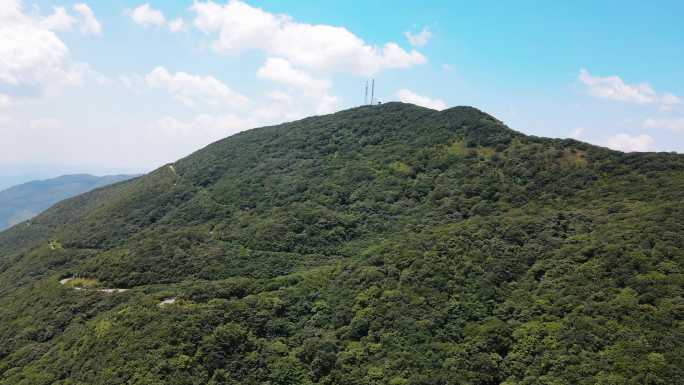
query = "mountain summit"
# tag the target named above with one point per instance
(387, 244)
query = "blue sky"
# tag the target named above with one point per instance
(126, 86)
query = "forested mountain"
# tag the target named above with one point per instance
(27, 200)
(387, 244)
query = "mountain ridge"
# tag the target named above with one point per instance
(24, 201)
(382, 244)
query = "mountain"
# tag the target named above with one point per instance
(387, 244)
(27, 200)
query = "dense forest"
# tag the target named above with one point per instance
(387, 244)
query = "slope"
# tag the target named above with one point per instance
(384, 244)
(27, 200)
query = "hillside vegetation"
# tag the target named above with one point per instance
(27, 200)
(388, 244)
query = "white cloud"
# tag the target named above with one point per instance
(147, 16)
(89, 24)
(187, 135)
(281, 70)
(176, 25)
(310, 89)
(60, 20)
(676, 125)
(195, 91)
(408, 96)
(134, 82)
(32, 56)
(45, 124)
(628, 143)
(279, 96)
(614, 88)
(669, 101)
(174, 136)
(419, 39)
(43, 130)
(238, 26)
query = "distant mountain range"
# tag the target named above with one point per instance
(27, 200)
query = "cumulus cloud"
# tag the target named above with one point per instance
(222, 112)
(669, 101)
(195, 91)
(629, 143)
(147, 16)
(190, 134)
(419, 39)
(614, 88)
(292, 104)
(408, 96)
(237, 26)
(311, 89)
(676, 124)
(281, 70)
(176, 25)
(34, 56)
(89, 24)
(60, 20)
(132, 81)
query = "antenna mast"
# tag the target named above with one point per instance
(372, 91)
(365, 96)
